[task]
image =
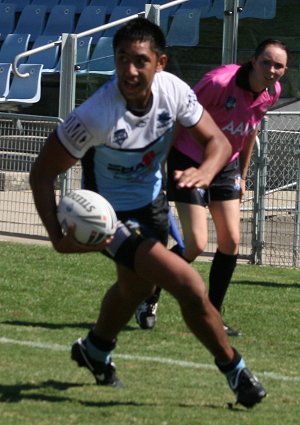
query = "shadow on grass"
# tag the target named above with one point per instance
(17, 393)
(267, 284)
(46, 325)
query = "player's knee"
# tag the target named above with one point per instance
(192, 251)
(229, 246)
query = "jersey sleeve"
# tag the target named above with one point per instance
(75, 135)
(183, 99)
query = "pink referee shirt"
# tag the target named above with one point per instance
(236, 111)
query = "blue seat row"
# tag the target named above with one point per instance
(12, 88)
(52, 17)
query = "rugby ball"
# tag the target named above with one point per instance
(92, 214)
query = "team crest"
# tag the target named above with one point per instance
(120, 136)
(230, 102)
(164, 118)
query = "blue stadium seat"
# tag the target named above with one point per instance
(185, 28)
(102, 58)
(84, 45)
(78, 4)
(61, 20)
(216, 10)
(110, 5)
(5, 73)
(7, 19)
(49, 57)
(204, 5)
(48, 3)
(139, 4)
(13, 45)
(261, 9)
(20, 4)
(83, 55)
(91, 17)
(32, 20)
(171, 9)
(26, 90)
(117, 13)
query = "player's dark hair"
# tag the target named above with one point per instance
(141, 29)
(270, 41)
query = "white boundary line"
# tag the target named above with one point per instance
(162, 360)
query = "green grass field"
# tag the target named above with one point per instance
(48, 300)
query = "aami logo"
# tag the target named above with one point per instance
(76, 131)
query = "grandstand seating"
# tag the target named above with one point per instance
(111, 4)
(5, 73)
(61, 20)
(48, 57)
(48, 3)
(13, 45)
(32, 20)
(102, 58)
(78, 4)
(26, 91)
(204, 6)
(20, 4)
(91, 17)
(262, 9)
(117, 13)
(7, 19)
(83, 55)
(139, 4)
(185, 28)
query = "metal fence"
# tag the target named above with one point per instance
(270, 211)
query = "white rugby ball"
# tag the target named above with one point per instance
(92, 214)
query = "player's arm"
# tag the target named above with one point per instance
(53, 160)
(217, 152)
(245, 158)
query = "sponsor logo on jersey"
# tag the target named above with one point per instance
(241, 128)
(120, 136)
(145, 162)
(75, 130)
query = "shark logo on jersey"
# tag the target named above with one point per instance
(120, 136)
(230, 103)
(164, 119)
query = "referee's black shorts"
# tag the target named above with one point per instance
(224, 187)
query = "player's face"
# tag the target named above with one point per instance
(268, 67)
(136, 65)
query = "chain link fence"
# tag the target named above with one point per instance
(270, 211)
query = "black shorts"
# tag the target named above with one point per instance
(137, 225)
(224, 187)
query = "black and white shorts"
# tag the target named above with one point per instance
(149, 222)
(224, 187)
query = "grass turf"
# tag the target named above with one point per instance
(48, 300)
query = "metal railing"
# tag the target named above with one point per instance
(270, 211)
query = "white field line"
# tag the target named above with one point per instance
(162, 360)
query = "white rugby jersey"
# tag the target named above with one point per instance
(129, 149)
